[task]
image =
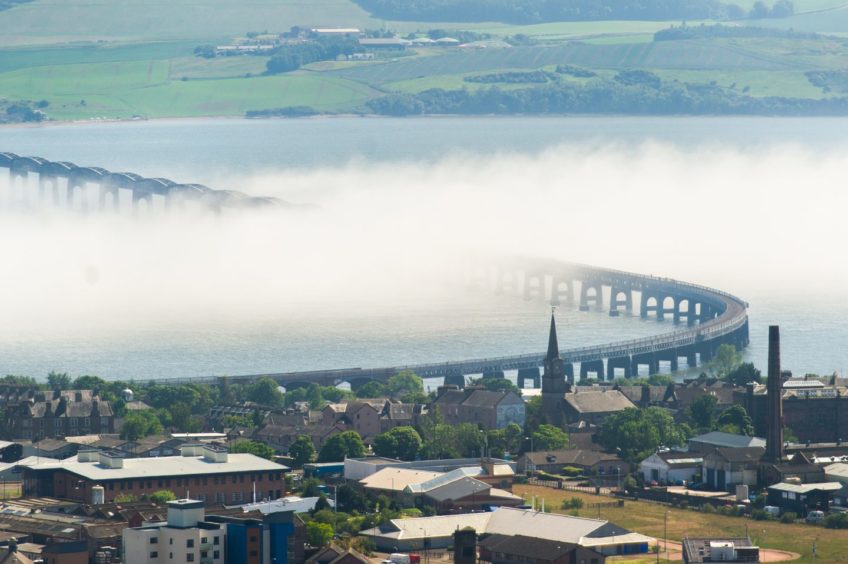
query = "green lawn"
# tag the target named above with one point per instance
(759, 83)
(648, 518)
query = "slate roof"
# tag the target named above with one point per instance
(747, 454)
(598, 401)
(527, 547)
(729, 440)
(485, 398)
(68, 408)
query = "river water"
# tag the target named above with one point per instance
(751, 206)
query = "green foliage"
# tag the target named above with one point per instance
(139, 424)
(702, 412)
(789, 517)
(319, 534)
(344, 445)
(836, 521)
(573, 503)
(505, 440)
(548, 437)
(59, 381)
(496, 385)
(638, 78)
(372, 389)
(743, 374)
(533, 416)
(453, 441)
(726, 360)
(571, 471)
(302, 450)
(513, 77)
(405, 382)
(789, 435)
(735, 420)
(351, 498)
(538, 11)
(162, 496)
(629, 484)
(310, 487)
(291, 57)
(403, 443)
(254, 447)
(124, 498)
(639, 432)
(12, 380)
(264, 391)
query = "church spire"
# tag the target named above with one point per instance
(553, 345)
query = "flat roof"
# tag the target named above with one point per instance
(153, 467)
(807, 488)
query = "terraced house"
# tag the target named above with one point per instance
(59, 414)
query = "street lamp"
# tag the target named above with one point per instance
(530, 438)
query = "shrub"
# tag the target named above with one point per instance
(708, 508)
(836, 521)
(573, 503)
(788, 517)
(759, 515)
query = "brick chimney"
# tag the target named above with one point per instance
(774, 388)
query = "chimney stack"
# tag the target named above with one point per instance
(774, 388)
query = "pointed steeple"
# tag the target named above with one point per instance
(553, 345)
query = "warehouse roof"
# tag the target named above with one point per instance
(164, 466)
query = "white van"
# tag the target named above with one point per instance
(815, 516)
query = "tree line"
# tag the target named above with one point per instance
(537, 11)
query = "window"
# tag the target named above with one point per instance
(171, 541)
(216, 555)
(189, 543)
(154, 540)
(216, 540)
(189, 557)
(154, 555)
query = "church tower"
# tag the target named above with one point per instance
(554, 384)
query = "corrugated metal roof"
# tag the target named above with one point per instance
(397, 479)
(806, 488)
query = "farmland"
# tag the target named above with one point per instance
(125, 58)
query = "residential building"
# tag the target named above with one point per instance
(732, 550)
(670, 467)
(496, 472)
(277, 537)
(59, 414)
(209, 473)
(185, 537)
(725, 468)
(601, 536)
(588, 461)
(487, 409)
(335, 554)
(49, 448)
(801, 498)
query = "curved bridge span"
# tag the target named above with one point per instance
(704, 319)
(67, 185)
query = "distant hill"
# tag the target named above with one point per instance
(538, 11)
(6, 4)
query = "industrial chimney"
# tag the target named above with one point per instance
(774, 388)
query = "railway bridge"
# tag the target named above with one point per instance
(703, 319)
(34, 182)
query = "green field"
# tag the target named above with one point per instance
(124, 58)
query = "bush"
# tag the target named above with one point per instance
(709, 508)
(836, 521)
(788, 517)
(573, 503)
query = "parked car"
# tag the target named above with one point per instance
(815, 516)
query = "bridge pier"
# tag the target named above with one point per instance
(505, 282)
(706, 351)
(623, 362)
(616, 302)
(596, 299)
(589, 366)
(649, 359)
(534, 286)
(568, 368)
(670, 356)
(645, 309)
(560, 294)
(532, 374)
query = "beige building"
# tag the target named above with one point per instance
(186, 537)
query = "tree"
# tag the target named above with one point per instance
(496, 385)
(265, 391)
(319, 534)
(533, 416)
(404, 383)
(372, 389)
(743, 374)
(505, 440)
(94, 383)
(140, 424)
(702, 412)
(181, 418)
(548, 437)
(637, 433)
(302, 450)
(403, 443)
(344, 445)
(351, 498)
(735, 420)
(162, 496)
(254, 447)
(726, 359)
(59, 381)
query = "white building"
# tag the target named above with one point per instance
(670, 467)
(185, 537)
